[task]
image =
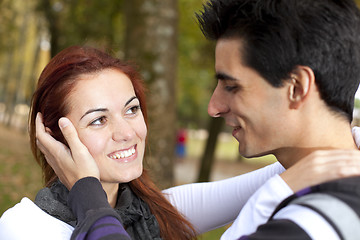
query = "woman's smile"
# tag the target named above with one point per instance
(126, 155)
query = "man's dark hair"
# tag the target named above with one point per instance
(278, 35)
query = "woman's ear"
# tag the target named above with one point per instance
(302, 80)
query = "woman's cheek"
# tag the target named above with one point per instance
(94, 143)
(142, 129)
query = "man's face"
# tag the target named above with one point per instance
(257, 112)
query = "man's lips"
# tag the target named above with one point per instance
(236, 130)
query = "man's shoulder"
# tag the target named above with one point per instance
(343, 185)
(345, 189)
(278, 229)
(330, 205)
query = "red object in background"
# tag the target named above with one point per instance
(181, 143)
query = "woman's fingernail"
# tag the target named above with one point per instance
(63, 123)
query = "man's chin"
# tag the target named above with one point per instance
(251, 154)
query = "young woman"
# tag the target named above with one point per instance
(104, 100)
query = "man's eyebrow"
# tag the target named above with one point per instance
(224, 76)
(94, 110)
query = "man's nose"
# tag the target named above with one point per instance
(217, 104)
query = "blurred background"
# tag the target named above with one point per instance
(176, 61)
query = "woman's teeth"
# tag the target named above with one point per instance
(123, 154)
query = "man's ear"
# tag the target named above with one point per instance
(302, 80)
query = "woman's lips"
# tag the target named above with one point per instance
(123, 154)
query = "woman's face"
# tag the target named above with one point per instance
(107, 116)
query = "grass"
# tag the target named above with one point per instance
(213, 235)
(19, 174)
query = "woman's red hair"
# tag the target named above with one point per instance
(55, 83)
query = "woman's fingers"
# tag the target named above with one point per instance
(46, 143)
(69, 166)
(85, 164)
(69, 132)
(322, 166)
(56, 154)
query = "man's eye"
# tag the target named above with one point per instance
(133, 110)
(230, 88)
(99, 121)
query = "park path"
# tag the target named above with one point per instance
(186, 170)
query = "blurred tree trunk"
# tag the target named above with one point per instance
(7, 73)
(7, 89)
(22, 48)
(16, 71)
(34, 75)
(207, 159)
(151, 41)
(51, 13)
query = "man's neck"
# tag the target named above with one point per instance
(330, 133)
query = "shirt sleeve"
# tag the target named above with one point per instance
(214, 204)
(259, 208)
(96, 218)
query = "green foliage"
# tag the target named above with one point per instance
(357, 103)
(79, 22)
(100, 24)
(9, 25)
(195, 70)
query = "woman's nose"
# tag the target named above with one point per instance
(123, 131)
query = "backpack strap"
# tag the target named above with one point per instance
(340, 215)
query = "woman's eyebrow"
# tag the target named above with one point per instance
(105, 109)
(94, 110)
(130, 100)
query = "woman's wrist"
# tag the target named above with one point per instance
(87, 194)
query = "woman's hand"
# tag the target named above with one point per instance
(69, 165)
(322, 166)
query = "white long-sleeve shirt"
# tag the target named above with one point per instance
(214, 204)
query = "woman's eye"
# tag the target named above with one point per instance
(133, 110)
(99, 121)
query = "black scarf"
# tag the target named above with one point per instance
(134, 212)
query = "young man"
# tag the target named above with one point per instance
(288, 71)
(287, 74)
